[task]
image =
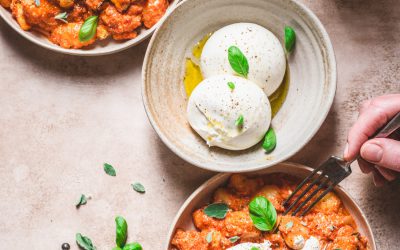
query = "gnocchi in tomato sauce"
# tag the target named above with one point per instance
(327, 226)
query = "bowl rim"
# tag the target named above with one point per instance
(91, 52)
(217, 179)
(332, 68)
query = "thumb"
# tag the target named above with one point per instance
(382, 152)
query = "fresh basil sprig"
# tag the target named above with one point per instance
(238, 61)
(290, 38)
(239, 121)
(269, 143)
(132, 246)
(262, 213)
(231, 85)
(84, 242)
(109, 169)
(122, 235)
(62, 17)
(88, 29)
(121, 231)
(216, 210)
(138, 187)
(82, 201)
(233, 239)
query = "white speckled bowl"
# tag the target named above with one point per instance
(312, 79)
(203, 194)
(106, 47)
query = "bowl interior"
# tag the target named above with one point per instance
(311, 90)
(105, 47)
(203, 194)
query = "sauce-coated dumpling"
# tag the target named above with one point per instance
(327, 226)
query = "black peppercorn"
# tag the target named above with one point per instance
(65, 246)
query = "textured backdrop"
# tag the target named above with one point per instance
(61, 117)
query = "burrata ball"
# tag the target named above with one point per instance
(229, 112)
(264, 53)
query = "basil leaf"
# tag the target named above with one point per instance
(216, 210)
(209, 237)
(269, 143)
(255, 248)
(82, 201)
(62, 17)
(84, 242)
(290, 38)
(88, 29)
(239, 121)
(37, 3)
(132, 246)
(234, 239)
(238, 61)
(109, 169)
(121, 231)
(138, 187)
(117, 248)
(231, 85)
(262, 213)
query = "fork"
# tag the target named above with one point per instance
(331, 172)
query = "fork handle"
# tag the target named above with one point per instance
(390, 127)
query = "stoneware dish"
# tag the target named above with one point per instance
(108, 46)
(203, 195)
(311, 89)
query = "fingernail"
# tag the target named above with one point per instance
(372, 152)
(346, 151)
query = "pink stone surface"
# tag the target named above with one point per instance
(62, 117)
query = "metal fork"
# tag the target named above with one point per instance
(328, 175)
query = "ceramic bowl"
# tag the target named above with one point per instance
(203, 195)
(108, 46)
(311, 89)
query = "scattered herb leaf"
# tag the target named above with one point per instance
(234, 239)
(37, 3)
(88, 29)
(121, 231)
(132, 246)
(82, 201)
(262, 213)
(269, 143)
(239, 121)
(216, 210)
(138, 187)
(209, 237)
(255, 248)
(109, 169)
(62, 17)
(231, 85)
(84, 242)
(290, 38)
(238, 61)
(117, 248)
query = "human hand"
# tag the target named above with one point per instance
(379, 156)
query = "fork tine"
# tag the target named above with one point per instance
(319, 198)
(303, 193)
(320, 186)
(302, 184)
